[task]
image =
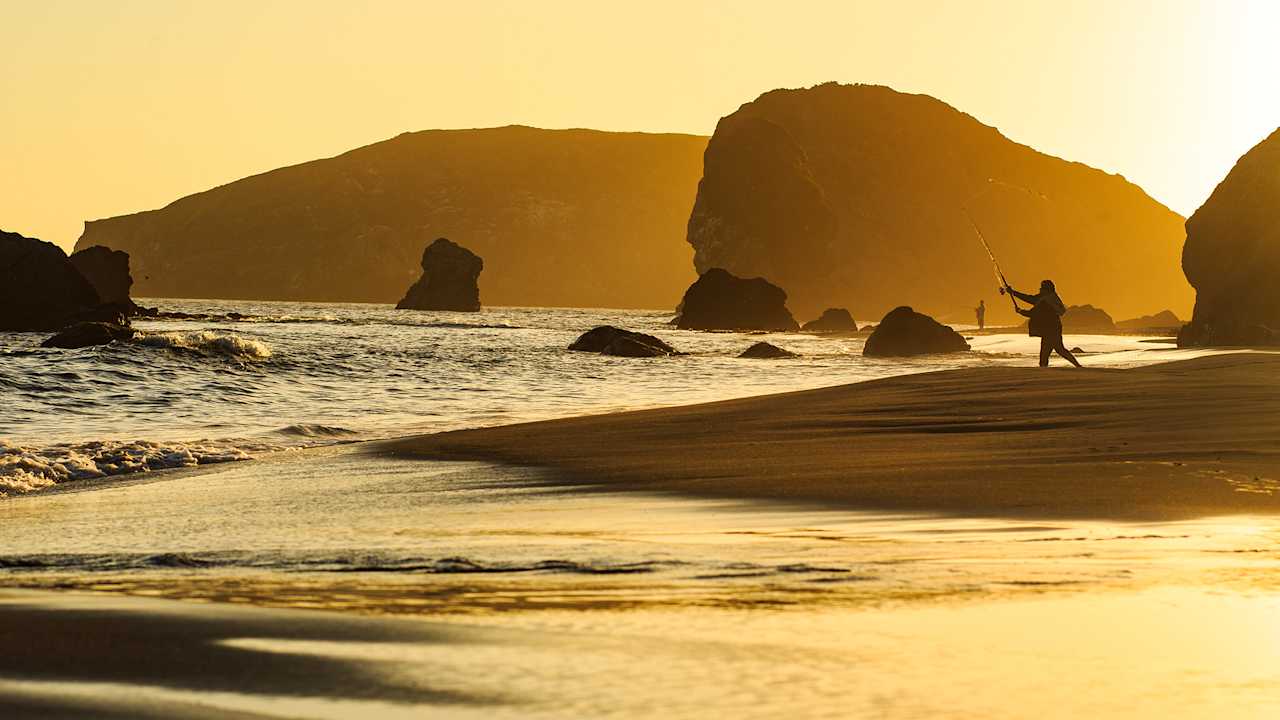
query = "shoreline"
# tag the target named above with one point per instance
(1179, 440)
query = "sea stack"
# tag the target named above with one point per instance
(39, 287)
(856, 196)
(905, 332)
(719, 300)
(449, 280)
(107, 271)
(1232, 255)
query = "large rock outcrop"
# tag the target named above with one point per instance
(1232, 255)
(719, 300)
(39, 287)
(450, 275)
(107, 271)
(832, 320)
(855, 196)
(905, 332)
(575, 218)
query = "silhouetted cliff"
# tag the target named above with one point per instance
(1232, 255)
(561, 217)
(854, 196)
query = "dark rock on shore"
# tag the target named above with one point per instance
(1162, 322)
(833, 320)
(719, 300)
(765, 351)
(85, 334)
(39, 287)
(449, 279)
(905, 332)
(1232, 255)
(610, 340)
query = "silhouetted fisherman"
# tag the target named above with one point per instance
(1044, 320)
(981, 312)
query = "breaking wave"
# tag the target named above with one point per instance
(207, 342)
(27, 469)
(308, 430)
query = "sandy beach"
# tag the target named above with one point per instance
(1178, 440)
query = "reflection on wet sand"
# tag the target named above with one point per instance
(516, 596)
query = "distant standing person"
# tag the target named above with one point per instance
(1044, 320)
(981, 312)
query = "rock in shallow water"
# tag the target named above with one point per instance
(833, 320)
(86, 334)
(905, 332)
(610, 340)
(719, 300)
(1087, 319)
(765, 351)
(449, 279)
(1161, 322)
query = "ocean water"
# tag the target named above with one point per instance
(291, 375)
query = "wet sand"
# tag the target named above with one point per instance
(1159, 653)
(1179, 440)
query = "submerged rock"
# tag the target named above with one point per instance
(107, 271)
(719, 300)
(85, 334)
(1163, 321)
(449, 279)
(39, 287)
(1232, 255)
(765, 351)
(905, 332)
(610, 340)
(833, 320)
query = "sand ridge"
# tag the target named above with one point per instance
(1179, 440)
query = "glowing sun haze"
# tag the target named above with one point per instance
(115, 107)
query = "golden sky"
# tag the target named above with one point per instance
(116, 106)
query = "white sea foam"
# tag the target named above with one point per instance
(208, 341)
(25, 469)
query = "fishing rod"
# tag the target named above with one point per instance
(995, 264)
(991, 184)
